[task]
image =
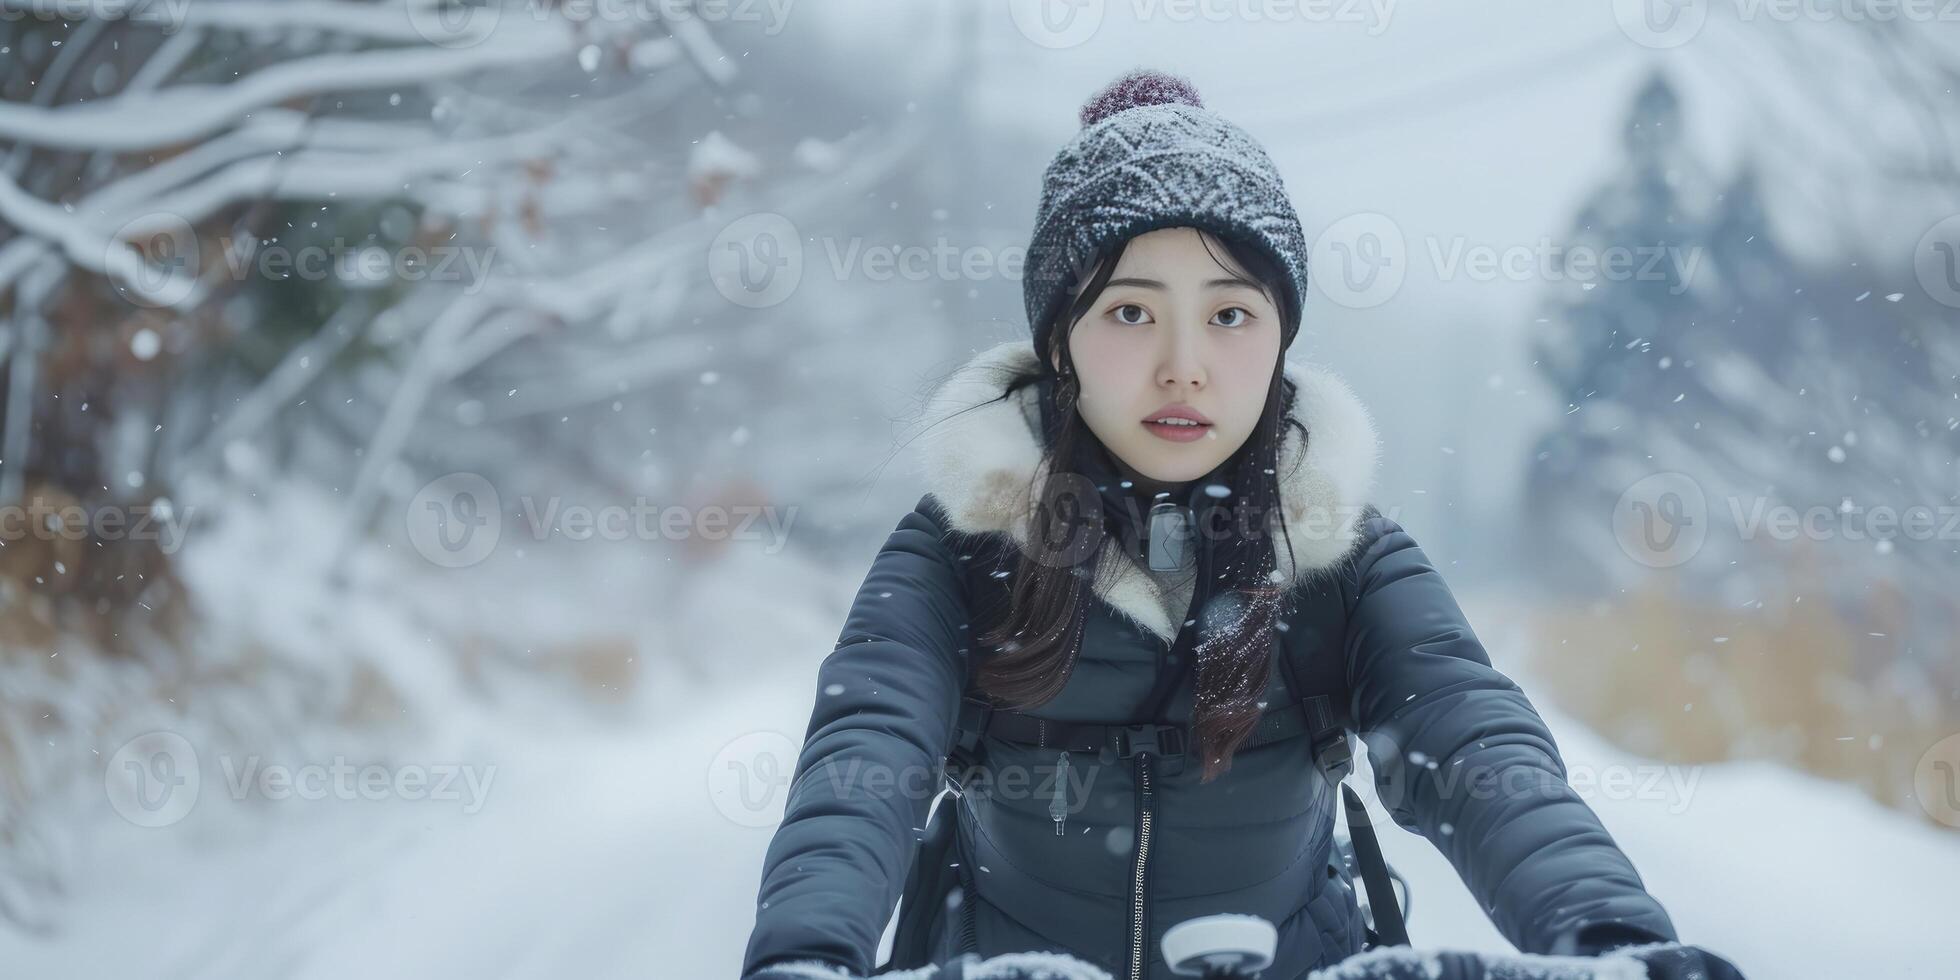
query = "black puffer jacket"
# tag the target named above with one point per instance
(1459, 754)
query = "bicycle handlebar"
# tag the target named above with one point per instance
(1385, 963)
(1382, 963)
(1240, 947)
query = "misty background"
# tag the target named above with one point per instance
(439, 442)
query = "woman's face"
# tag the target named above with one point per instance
(1175, 329)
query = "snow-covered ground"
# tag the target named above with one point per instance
(628, 851)
(623, 846)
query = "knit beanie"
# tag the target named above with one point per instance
(1149, 155)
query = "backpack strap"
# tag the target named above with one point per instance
(1321, 686)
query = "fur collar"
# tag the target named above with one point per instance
(979, 463)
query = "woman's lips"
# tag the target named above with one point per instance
(1175, 432)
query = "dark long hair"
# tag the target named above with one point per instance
(1034, 641)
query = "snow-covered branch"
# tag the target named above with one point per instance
(182, 113)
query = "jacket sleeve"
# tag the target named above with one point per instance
(887, 698)
(1461, 757)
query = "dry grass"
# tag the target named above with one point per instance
(1797, 681)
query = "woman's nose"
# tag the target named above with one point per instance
(1180, 366)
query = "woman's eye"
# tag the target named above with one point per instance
(1131, 313)
(1235, 316)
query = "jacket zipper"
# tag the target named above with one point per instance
(1139, 898)
(1058, 805)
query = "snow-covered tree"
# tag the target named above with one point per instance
(512, 206)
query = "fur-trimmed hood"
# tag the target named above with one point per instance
(980, 462)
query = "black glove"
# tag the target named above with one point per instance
(801, 970)
(1673, 961)
(1665, 959)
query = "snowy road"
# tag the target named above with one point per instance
(604, 854)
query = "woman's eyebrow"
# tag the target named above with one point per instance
(1158, 283)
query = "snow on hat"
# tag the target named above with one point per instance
(1150, 155)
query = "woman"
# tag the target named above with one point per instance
(1145, 517)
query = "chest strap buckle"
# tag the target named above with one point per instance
(1166, 742)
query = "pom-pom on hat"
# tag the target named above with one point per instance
(1141, 87)
(1150, 155)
